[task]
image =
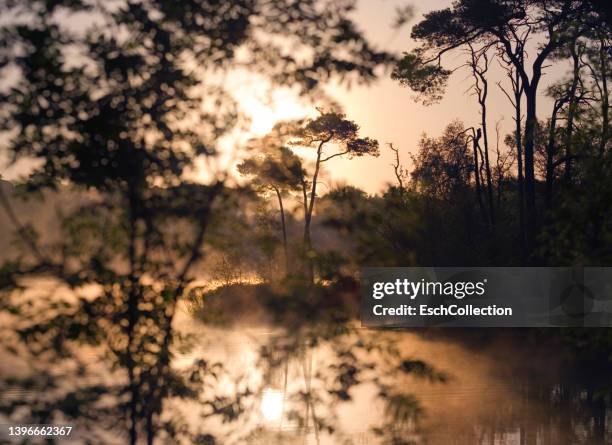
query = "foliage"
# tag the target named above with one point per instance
(334, 128)
(429, 81)
(121, 100)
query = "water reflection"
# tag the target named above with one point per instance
(502, 389)
(272, 405)
(503, 392)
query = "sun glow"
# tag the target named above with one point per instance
(262, 108)
(272, 405)
(267, 108)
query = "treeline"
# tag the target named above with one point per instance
(558, 158)
(538, 195)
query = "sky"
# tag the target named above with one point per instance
(387, 111)
(384, 110)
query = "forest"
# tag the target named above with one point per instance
(153, 292)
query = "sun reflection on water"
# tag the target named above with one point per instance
(271, 407)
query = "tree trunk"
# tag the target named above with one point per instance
(283, 227)
(530, 89)
(132, 317)
(307, 242)
(519, 157)
(309, 208)
(481, 87)
(604, 99)
(571, 112)
(530, 197)
(485, 138)
(550, 155)
(475, 140)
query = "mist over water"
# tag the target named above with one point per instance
(504, 386)
(509, 388)
(503, 389)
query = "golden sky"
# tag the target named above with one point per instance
(386, 111)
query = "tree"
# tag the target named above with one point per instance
(505, 26)
(515, 99)
(328, 129)
(126, 119)
(274, 167)
(443, 166)
(479, 64)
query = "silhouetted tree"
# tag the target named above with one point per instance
(329, 129)
(479, 64)
(515, 98)
(506, 26)
(273, 167)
